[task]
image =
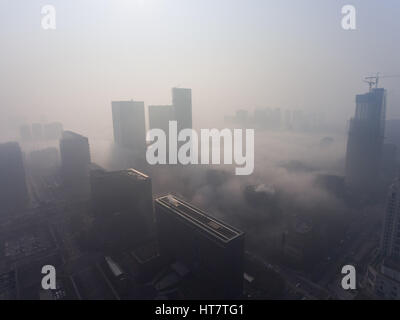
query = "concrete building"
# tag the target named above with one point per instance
(383, 275)
(14, 193)
(211, 250)
(365, 141)
(122, 204)
(129, 126)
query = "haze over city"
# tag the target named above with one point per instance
(233, 54)
(84, 84)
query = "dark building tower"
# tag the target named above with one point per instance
(182, 102)
(13, 194)
(123, 206)
(383, 275)
(75, 160)
(210, 249)
(129, 126)
(365, 141)
(390, 243)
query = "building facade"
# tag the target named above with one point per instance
(14, 193)
(212, 250)
(129, 126)
(365, 141)
(383, 275)
(122, 204)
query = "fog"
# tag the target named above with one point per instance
(233, 54)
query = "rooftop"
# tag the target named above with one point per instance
(69, 135)
(200, 218)
(128, 172)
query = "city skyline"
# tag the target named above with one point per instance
(250, 50)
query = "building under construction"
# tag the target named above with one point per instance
(365, 141)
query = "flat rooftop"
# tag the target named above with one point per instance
(209, 224)
(128, 173)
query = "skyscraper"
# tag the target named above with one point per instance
(212, 250)
(390, 243)
(123, 206)
(383, 275)
(159, 118)
(13, 188)
(75, 160)
(129, 126)
(365, 141)
(182, 103)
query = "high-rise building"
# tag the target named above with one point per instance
(212, 250)
(365, 141)
(383, 274)
(122, 203)
(13, 187)
(389, 163)
(75, 159)
(159, 118)
(390, 243)
(182, 102)
(129, 126)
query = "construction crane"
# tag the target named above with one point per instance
(374, 80)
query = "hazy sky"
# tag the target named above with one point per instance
(232, 53)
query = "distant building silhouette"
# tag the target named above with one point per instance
(122, 204)
(159, 118)
(129, 126)
(210, 249)
(14, 193)
(365, 141)
(75, 160)
(182, 103)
